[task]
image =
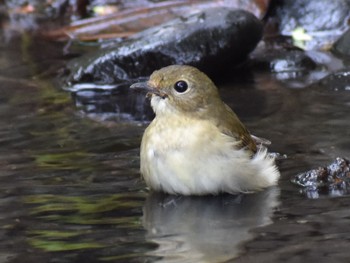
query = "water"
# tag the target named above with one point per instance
(71, 191)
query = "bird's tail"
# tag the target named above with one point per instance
(259, 174)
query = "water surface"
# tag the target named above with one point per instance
(71, 190)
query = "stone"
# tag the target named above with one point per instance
(342, 45)
(313, 15)
(333, 179)
(211, 40)
(322, 20)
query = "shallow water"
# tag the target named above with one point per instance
(71, 190)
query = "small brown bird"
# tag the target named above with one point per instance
(196, 145)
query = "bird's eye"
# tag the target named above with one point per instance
(181, 86)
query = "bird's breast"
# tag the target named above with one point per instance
(164, 136)
(183, 141)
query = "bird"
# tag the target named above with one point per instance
(196, 145)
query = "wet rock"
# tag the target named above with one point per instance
(336, 81)
(295, 67)
(135, 16)
(210, 40)
(333, 179)
(278, 60)
(313, 15)
(342, 45)
(323, 20)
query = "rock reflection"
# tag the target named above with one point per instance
(118, 105)
(205, 229)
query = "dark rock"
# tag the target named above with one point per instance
(322, 19)
(282, 60)
(289, 64)
(342, 45)
(211, 40)
(333, 179)
(336, 81)
(313, 15)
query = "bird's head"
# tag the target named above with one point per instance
(180, 89)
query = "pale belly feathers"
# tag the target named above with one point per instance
(194, 158)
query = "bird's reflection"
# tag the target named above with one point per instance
(205, 229)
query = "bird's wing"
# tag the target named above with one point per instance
(259, 140)
(232, 126)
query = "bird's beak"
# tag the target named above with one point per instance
(150, 90)
(141, 86)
